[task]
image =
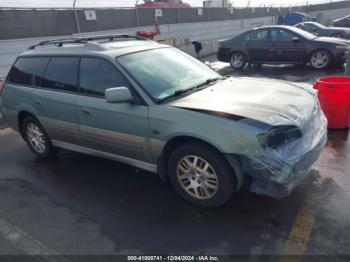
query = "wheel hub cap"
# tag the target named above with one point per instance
(319, 59)
(197, 177)
(36, 138)
(237, 60)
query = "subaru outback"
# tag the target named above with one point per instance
(156, 108)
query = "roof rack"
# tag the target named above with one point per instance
(108, 38)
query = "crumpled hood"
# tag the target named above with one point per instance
(272, 102)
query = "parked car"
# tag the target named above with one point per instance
(282, 45)
(158, 109)
(342, 22)
(321, 30)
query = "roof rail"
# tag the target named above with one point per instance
(80, 40)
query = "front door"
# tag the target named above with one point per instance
(287, 47)
(117, 128)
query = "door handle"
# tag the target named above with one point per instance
(86, 111)
(37, 102)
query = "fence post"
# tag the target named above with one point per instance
(76, 16)
(178, 15)
(137, 17)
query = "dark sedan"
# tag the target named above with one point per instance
(321, 30)
(344, 21)
(282, 45)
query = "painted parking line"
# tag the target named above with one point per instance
(300, 234)
(28, 244)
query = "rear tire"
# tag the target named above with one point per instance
(201, 175)
(37, 138)
(238, 60)
(321, 59)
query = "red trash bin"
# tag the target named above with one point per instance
(334, 97)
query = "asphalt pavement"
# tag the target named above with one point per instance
(77, 205)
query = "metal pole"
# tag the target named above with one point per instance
(347, 63)
(137, 16)
(178, 15)
(76, 17)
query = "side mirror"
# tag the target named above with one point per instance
(118, 95)
(296, 39)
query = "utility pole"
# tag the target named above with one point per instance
(76, 16)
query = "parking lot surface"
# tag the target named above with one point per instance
(77, 204)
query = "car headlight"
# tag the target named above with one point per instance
(278, 136)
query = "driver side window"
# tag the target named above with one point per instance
(97, 75)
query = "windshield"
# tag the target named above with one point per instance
(162, 72)
(303, 33)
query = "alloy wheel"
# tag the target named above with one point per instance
(197, 177)
(36, 138)
(320, 59)
(237, 60)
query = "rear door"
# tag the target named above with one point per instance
(287, 47)
(258, 45)
(55, 100)
(118, 128)
(24, 77)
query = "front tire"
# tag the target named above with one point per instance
(321, 59)
(201, 175)
(238, 60)
(37, 138)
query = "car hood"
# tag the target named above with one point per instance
(333, 40)
(272, 102)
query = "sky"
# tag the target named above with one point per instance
(130, 3)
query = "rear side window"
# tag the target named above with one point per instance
(97, 75)
(28, 71)
(61, 74)
(258, 35)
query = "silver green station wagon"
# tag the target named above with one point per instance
(156, 108)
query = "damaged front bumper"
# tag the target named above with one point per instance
(276, 172)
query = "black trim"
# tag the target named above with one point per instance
(217, 113)
(232, 117)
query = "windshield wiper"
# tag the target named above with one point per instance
(196, 87)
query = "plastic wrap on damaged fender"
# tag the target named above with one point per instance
(288, 150)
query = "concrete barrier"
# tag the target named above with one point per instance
(207, 32)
